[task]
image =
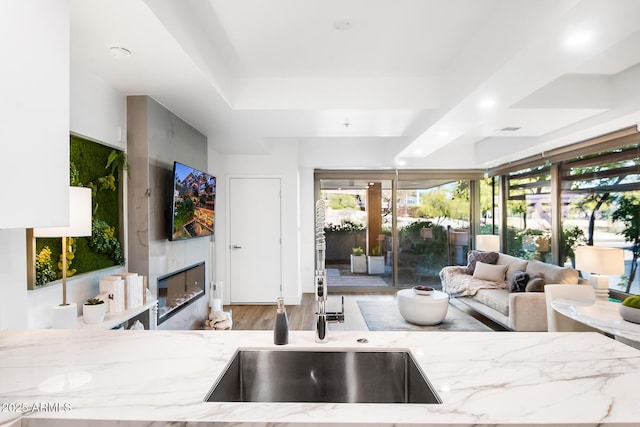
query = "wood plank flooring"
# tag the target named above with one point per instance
(302, 317)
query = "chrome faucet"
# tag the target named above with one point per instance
(322, 317)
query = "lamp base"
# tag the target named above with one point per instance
(600, 283)
(65, 316)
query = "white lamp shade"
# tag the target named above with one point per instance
(488, 242)
(79, 216)
(600, 260)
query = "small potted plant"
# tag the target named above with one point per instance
(94, 310)
(358, 261)
(376, 261)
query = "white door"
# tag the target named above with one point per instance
(254, 240)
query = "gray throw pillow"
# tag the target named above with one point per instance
(482, 256)
(518, 281)
(536, 284)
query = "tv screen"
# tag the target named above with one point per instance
(193, 207)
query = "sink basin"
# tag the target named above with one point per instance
(341, 376)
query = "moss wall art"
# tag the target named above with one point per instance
(100, 168)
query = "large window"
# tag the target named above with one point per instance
(529, 218)
(587, 193)
(407, 226)
(601, 207)
(543, 207)
(433, 228)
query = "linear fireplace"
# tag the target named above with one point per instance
(180, 288)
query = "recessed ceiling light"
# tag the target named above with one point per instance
(443, 134)
(577, 39)
(417, 151)
(487, 103)
(342, 25)
(510, 129)
(119, 52)
(402, 162)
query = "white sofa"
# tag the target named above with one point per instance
(518, 311)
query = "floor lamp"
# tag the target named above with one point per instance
(600, 262)
(66, 314)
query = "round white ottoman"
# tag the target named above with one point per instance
(423, 309)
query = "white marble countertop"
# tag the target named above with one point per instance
(599, 314)
(493, 378)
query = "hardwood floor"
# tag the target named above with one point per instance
(302, 317)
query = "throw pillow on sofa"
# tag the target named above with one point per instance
(475, 256)
(490, 272)
(536, 284)
(518, 281)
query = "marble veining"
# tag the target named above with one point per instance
(143, 378)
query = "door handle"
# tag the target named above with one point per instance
(236, 247)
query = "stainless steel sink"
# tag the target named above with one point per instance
(349, 376)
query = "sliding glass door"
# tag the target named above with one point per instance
(433, 228)
(394, 230)
(358, 232)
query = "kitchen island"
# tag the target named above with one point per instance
(134, 378)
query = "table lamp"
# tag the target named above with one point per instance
(488, 242)
(65, 314)
(600, 262)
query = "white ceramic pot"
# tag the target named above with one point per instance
(94, 313)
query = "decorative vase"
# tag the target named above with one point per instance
(94, 313)
(65, 316)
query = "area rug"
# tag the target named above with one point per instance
(385, 316)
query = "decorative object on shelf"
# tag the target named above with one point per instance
(375, 261)
(423, 290)
(630, 309)
(600, 262)
(93, 311)
(64, 315)
(358, 261)
(488, 242)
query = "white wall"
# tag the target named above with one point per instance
(13, 279)
(34, 106)
(97, 112)
(281, 162)
(34, 134)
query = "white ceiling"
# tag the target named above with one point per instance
(414, 73)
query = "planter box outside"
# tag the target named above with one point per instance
(340, 245)
(376, 264)
(358, 264)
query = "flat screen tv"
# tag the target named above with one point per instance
(193, 206)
